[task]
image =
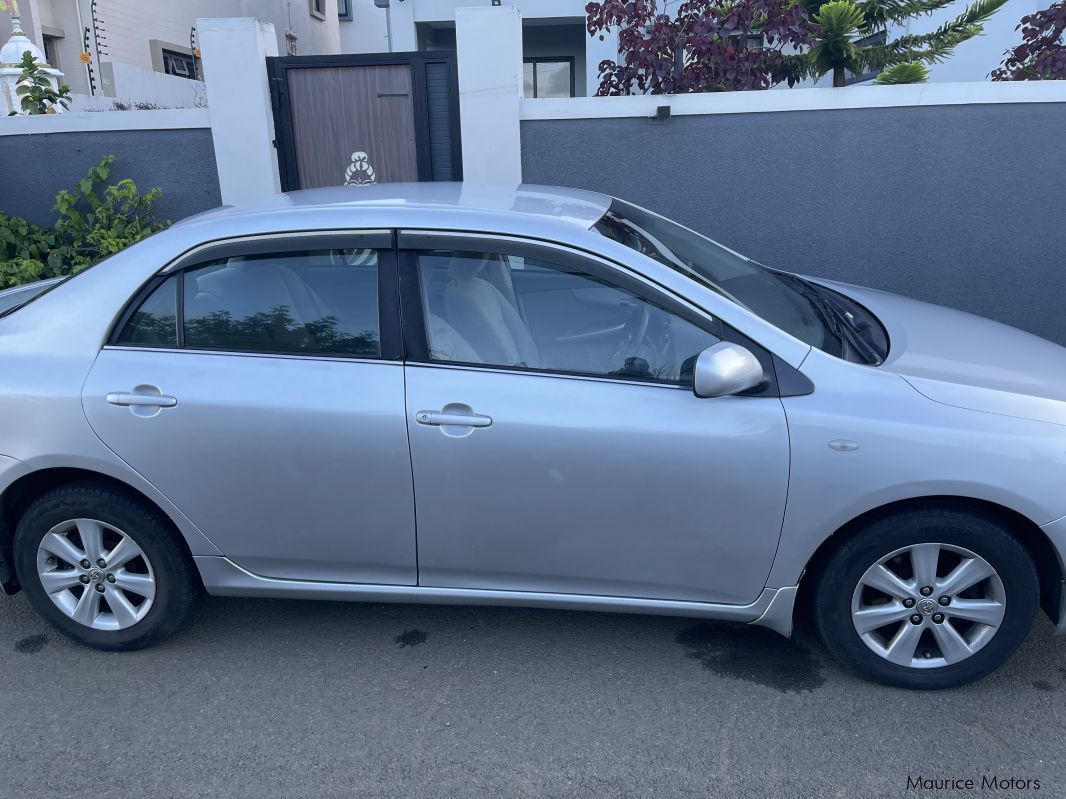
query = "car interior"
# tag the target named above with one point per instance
(512, 311)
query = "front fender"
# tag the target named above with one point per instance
(899, 445)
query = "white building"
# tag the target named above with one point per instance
(562, 60)
(554, 36)
(145, 48)
(131, 43)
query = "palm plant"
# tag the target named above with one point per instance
(907, 72)
(844, 23)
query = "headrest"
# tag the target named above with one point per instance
(462, 268)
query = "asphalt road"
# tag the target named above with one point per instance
(294, 699)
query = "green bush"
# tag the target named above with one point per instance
(94, 222)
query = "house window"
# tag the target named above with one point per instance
(318, 9)
(751, 41)
(344, 10)
(548, 77)
(873, 40)
(51, 50)
(179, 64)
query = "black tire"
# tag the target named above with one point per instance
(177, 587)
(983, 536)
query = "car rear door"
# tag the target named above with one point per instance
(554, 452)
(260, 387)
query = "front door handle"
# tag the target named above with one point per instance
(439, 419)
(141, 400)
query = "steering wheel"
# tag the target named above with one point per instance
(633, 333)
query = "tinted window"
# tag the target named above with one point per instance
(321, 302)
(510, 311)
(154, 323)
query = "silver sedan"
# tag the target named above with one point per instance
(449, 394)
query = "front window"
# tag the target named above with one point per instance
(814, 315)
(873, 40)
(548, 77)
(51, 51)
(516, 312)
(181, 65)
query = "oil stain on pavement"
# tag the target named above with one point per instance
(753, 654)
(1045, 685)
(31, 644)
(411, 638)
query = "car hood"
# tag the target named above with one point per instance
(967, 361)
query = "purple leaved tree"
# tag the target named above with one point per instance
(673, 47)
(1042, 53)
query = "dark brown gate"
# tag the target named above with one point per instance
(359, 119)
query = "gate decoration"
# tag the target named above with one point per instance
(359, 172)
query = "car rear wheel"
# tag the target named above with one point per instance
(103, 567)
(930, 598)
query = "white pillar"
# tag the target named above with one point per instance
(489, 45)
(595, 52)
(403, 37)
(234, 53)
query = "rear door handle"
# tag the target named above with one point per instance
(142, 400)
(438, 419)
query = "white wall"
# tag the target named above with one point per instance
(367, 32)
(129, 25)
(442, 10)
(126, 83)
(404, 16)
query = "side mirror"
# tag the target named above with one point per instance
(724, 369)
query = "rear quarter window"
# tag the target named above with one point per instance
(155, 322)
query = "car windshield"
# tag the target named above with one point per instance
(778, 298)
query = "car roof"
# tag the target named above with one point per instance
(574, 206)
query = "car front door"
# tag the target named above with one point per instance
(556, 443)
(259, 385)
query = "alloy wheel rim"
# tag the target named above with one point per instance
(928, 605)
(96, 574)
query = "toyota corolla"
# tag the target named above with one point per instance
(549, 397)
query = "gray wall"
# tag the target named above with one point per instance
(180, 162)
(959, 205)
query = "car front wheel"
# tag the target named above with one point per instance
(930, 598)
(103, 567)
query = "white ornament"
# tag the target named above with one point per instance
(359, 172)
